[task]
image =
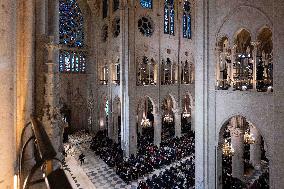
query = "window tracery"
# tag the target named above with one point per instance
(247, 65)
(168, 72)
(145, 26)
(146, 72)
(104, 33)
(187, 70)
(146, 4)
(186, 19)
(116, 27)
(169, 17)
(71, 35)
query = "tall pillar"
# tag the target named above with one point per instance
(237, 140)
(177, 120)
(140, 117)
(8, 91)
(115, 127)
(157, 129)
(110, 117)
(254, 54)
(128, 81)
(255, 149)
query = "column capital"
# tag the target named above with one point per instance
(176, 111)
(255, 43)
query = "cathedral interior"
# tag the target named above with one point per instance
(146, 94)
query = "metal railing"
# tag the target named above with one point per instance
(53, 178)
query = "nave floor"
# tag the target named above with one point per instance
(100, 176)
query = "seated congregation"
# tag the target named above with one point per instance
(149, 158)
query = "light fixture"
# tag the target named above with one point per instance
(145, 122)
(168, 118)
(16, 181)
(244, 88)
(227, 149)
(248, 138)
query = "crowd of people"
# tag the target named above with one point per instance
(180, 176)
(148, 158)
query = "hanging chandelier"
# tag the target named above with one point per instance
(145, 122)
(227, 149)
(186, 114)
(168, 118)
(248, 138)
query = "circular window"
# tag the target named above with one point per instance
(116, 27)
(145, 26)
(104, 33)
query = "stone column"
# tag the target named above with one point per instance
(128, 81)
(140, 117)
(237, 140)
(115, 127)
(157, 129)
(177, 119)
(219, 162)
(218, 59)
(110, 117)
(255, 149)
(8, 13)
(254, 54)
(231, 68)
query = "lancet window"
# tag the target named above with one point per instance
(248, 65)
(146, 4)
(168, 72)
(187, 72)
(169, 17)
(186, 19)
(105, 8)
(146, 72)
(72, 58)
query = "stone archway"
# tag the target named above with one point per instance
(145, 121)
(241, 155)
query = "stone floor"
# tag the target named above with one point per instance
(100, 176)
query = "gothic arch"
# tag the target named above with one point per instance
(251, 13)
(254, 122)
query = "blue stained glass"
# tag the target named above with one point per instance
(172, 23)
(146, 4)
(72, 62)
(71, 30)
(169, 17)
(71, 34)
(186, 20)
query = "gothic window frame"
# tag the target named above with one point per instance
(116, 27)
(187, 20)
(72, 56)
(147, 4)
(104, 33)
(148, 22)
(169, 17)
(105, 5)
(115, 5)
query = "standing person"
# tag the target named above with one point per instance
(82, 158)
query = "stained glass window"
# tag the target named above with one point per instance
(105, 8)
(71, 35)
(169, 17)
(146, 4)
(186, 20)
(115, 5)
(71, 30)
